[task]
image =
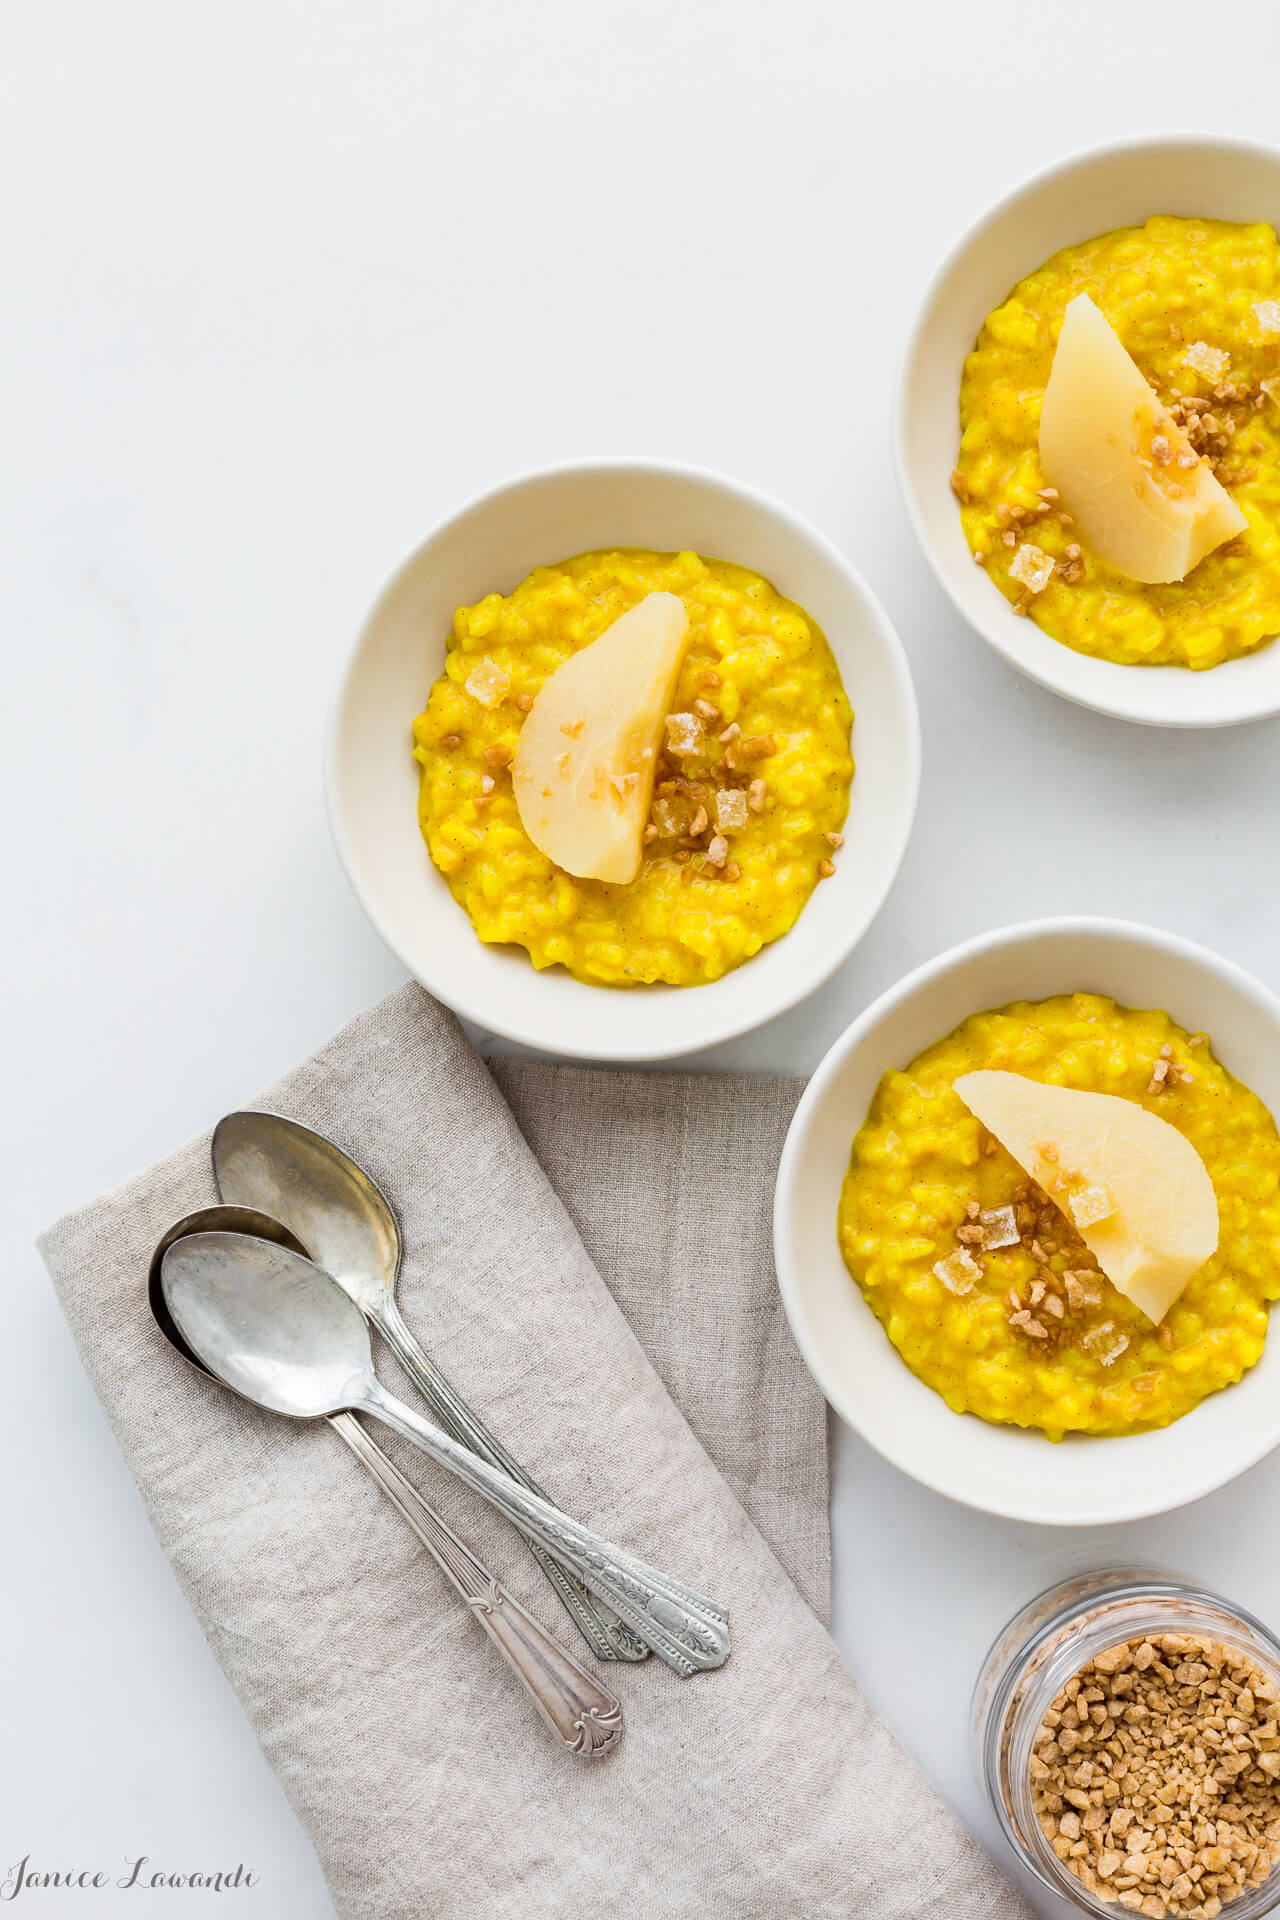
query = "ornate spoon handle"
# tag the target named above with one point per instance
(599, 1626)
(687, 1631)
(584, 1716)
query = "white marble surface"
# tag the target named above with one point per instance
(283, 284)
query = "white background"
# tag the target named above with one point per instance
(283, 285)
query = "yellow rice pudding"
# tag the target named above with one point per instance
(758, 670)
(1197, 305)
(922, 1166)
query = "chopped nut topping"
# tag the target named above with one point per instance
(486, 783)
(496, 757)
(525, 702)
(731, 732)
(960, 487)
(834, 839)
(699, 823)
(1154, 1775)
(718, 852)
(705, 711)
(450, 740)
(756, 794)
(826, 868)
(757, 746)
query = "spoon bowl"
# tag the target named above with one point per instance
(223, 1219)
(268, 1324)
(326, 1202)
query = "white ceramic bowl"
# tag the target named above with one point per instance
(1008, 1470)
(372, 782)
(1111, 186)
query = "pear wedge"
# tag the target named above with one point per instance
(584, 766)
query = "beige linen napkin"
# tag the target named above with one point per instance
(667, 1407)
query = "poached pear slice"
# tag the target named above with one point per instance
(1149, 1213)
(584, 766)
(1151, 511)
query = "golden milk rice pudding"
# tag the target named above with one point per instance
(750, 787)
(987, 1289)
(1196, 305)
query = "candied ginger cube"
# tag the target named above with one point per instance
(1105, 1342)
(1266, 314)
(1090, 1205)
(958, 1271)
(672, 813)
(1032, 566)
(684, 734)
(731, 809)
(487, 683)
(1213, 363)
(999, 1229)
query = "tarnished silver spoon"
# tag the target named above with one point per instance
(583, 1715)
(283, 1333)
(347, 1225)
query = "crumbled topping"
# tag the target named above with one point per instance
(1090, 1204)
(685, 736)
(488, 683)
(1212, 363)
(1154, 1776)
(1165, 1072)
(958, 1271)
(731, 809)
(1032, 566)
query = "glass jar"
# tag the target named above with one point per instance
(1041, 1649)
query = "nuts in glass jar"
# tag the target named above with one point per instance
(1155, 1774)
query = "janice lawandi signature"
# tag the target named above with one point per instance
(139, 1872)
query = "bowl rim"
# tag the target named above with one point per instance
(896, 835)
(991, 630)
(844, 1405)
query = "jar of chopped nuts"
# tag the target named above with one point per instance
(1127, 1730)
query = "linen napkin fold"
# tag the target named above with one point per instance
(667, 1407)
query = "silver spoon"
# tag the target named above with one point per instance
(347, 1225)
(283, 1334)
(583, 1715)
